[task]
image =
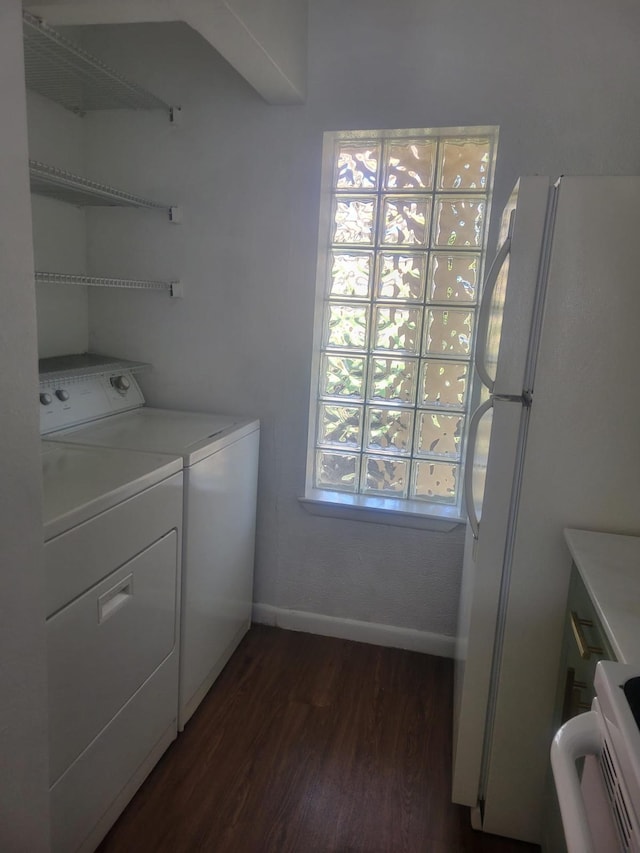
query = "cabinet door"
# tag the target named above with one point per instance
(585, 644)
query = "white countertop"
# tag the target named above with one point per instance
(609, 565)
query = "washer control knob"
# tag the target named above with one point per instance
(45, 399)
(61, 394)
(121, 383)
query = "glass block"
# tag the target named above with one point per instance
(410, 164)
(385, 476)
(435, 481)
(405, 221)
(453, 277)
(401, 275)
(357, 165)
(353, 220)
(397, 328)
(459, 222)
(389, 430)
(444, 383)
(351, 274)
(438, 434)
(464, 164)
(347, 325)
(337, 471)
(339, 425)
(448, 331)
(342, 376)
(393, 379)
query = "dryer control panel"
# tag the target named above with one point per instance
(73, 401)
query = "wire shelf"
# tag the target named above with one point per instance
(84, 364)
(57, 183)
(62, 71)
(173, 288)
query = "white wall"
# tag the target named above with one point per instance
(23, 758)
(56, 138)
(559, 79)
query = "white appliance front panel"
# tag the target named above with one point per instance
(81, 399)
(103, 646)
(193, 435)
(89, 797)
(81, 482)
(218, 556)
(581, 469)
(77, 559)
(480, 597)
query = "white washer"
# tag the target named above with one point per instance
(220, 458)
(112, 530)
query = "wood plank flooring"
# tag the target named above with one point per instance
(310, 744)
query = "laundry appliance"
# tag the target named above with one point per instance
(219, 456)
(112, 531)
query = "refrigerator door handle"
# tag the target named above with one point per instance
(474, 423)
(484, 314)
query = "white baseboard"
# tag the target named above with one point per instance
(352, 629)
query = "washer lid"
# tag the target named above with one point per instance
(80, 482)
(193, 435)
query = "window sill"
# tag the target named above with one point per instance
(377, 510)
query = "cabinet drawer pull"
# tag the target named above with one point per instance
(577, 624)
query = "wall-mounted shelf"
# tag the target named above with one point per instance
(62, 71)
(82, 365)
(173, 288)
(57, 183)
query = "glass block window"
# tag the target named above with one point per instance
(402, 254)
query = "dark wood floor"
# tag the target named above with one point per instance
(309, 744)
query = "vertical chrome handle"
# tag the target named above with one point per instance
(484, 313)
(469, 503)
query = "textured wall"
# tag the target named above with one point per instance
(559, 80)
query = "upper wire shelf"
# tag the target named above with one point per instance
(65, 186)
(173, 288)
(62, 71)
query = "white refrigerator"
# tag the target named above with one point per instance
(554, 443)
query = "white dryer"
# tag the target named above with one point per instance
(112, 530)
(220, 461)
